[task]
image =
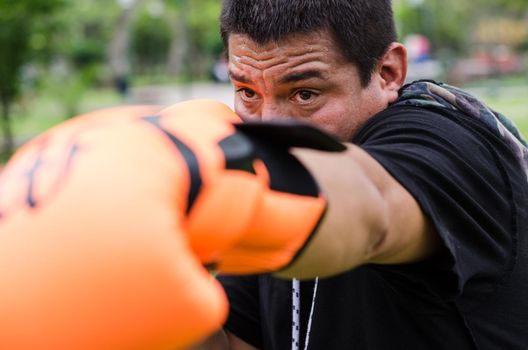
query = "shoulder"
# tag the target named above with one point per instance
(466, 179)
(409, 119)
(443, 135)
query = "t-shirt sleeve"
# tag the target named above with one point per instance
(457, 171)
(244, 307)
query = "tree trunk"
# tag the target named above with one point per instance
(118, 56)
(179, 47)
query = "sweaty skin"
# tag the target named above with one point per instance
(303, 77)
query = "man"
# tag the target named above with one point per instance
(424, 243)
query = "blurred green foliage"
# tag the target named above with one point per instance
(151, 40)
(68, 47)
(204, 25)
(447, 29)
(24, 25)
(450, 23)
(70, 50)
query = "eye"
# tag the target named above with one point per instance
(247, 94)
(304, 96)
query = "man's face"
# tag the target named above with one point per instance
(303, 77)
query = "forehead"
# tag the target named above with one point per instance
(297, 48)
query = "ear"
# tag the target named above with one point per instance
(392, 70)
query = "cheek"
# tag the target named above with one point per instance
(242, 111)
(239, 108)
(339, 119)
(373, 101)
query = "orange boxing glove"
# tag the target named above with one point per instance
(101, 245)
(107, 219)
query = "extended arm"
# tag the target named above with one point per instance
(371, 218)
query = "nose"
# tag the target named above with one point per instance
(271, 110)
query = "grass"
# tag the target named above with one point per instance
(516, 108)
(33, 115)
(511, 101)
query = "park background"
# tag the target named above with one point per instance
(59, 58)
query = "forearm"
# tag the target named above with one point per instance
(354, 222)
(370, 217)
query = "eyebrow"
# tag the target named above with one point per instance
(295, 77)
(239, 78)
(290, 78)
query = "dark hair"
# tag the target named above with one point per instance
(362, 29)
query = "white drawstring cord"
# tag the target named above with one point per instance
(296, 311)
(309, 327)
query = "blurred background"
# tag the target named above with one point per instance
(59, 58)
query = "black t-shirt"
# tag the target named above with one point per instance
(472, 295)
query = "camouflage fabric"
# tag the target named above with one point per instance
(427, 93)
